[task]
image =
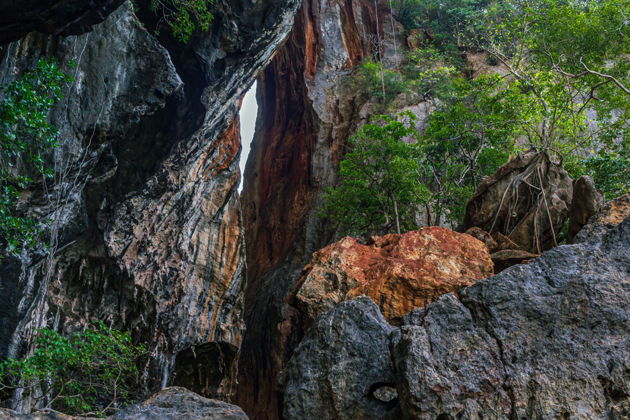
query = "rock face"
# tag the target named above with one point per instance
(504, 252)
(145, 231)
(550, 339)
(527, 200)
(586, 202)
(399, 272)
(68, 17)
(172, 403)
(306, 113)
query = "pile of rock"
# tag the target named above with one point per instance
(549, 339)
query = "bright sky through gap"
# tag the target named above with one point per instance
(247, 114)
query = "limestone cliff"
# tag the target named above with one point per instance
(145, 216)
(306, 115)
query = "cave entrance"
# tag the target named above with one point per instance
(247, 115)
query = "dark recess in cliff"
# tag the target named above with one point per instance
(54, 17)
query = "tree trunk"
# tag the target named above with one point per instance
(396, 215)
(429, 218)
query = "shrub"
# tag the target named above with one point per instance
(442, 20)
(183, 17)
(376, 81)
(428, 73)
(378, 190)
(92, 372)
(608, 168)
(469, 135)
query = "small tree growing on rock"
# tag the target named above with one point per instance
(90, 373)
(379, 190)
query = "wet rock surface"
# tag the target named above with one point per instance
(399, 272)
(549, 339)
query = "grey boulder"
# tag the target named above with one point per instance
(176, 403)
(342, 368)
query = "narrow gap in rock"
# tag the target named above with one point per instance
(247, 115)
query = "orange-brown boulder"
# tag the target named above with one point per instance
(398, 272)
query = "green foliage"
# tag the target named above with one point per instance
(442, 20)
(407, 12)
(564, 89)
(184, 16)
(92, 372)
(379, 82)
(560, 57)
(469, 135)
(379, 190)
(428, 72)
(609, 169)
(25, 137)
(425, 73)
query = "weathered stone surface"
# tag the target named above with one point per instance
(527, 200)
(484, 237)
(68, 17)
(399, 272)
(6, 414)
(545, 340)
(586, 202)
(549, 339)
(339, 365)
(147, 235)
(438, 365)
(611, 214)
(177, 403)
(173, 403)
(505, 253)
